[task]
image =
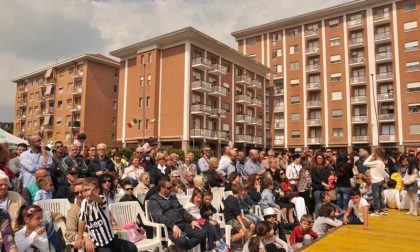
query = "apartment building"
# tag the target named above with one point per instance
(185, 89)
(342, 77)
(70, 97)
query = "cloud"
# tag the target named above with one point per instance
(39, 33)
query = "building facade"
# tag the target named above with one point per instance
(78, 95)
(185, 89)
(342, 77)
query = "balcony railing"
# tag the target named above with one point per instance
(384, 76)
(243, 99)
(47, 127)
(200, 133)
(358, 99)
(257, 140)
(278, 142)
(49, 97)
(313, 103)
(220, 111)
(279, 108)
(314, 140)
(77, 91)
(22, 104)
(49, 111)
(359, 80)
(387, 138)
(355, 23)
(360, 139)
(201, 86)
(76, 108)
(278, 91)
(383, 56)
(243, 138)
(357, 60)
(356, 41)
(219, 135)
(381, 17)
(256, 102)
(74, 124)
(312, 67)
(202, 63)
(217, 90)
(382, 36)
(23, 90)
(255, 84)
(386, 97)
(386, 117)
(359, 119)
(313, 122)
(244, 119)
(279, 124)
(313, 85)
(312, 50)
(311, 33)
(218, 69)
(200, 109)
(78, 76)
(243, 79)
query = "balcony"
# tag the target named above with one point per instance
(200, 109)
(49, 111)
(279, 124)
(313, 86)
(243, 99)
(78, 76)
(74, 125)
(200, 133)
(218, 135)
(356, 42)
(41, 99)
(382, 37)
(355, 24)
(22, 104)
(278, 142)
(202, 63)
(358, 99)
(360, 139)
(278, 91)
(278, 108)
(386, 117)
(359, 119)
(77, 91)
(201, 86)
(387, 138)
(383, 57)
(310, 51)
(257, 140)
(218, 69)
(243, 79)
(311, 33)
(256, 102)
(255, 84)
(244, 119)
(76, 108)
(357, 81)
(41, 114)
(256, 121)
(217, 90)
(218, 112)
(243, 138)
(49, 97)
(22, 118)
(312, 68)
(357, 61)
(384, 77)
(385, 97)
(47, 128)
(313, 104)
(314, 140)
(313, 122)
(23, 90)
(381, 18)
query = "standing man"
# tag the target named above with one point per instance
(59, 154)
(361, 169)
(203, 162)
(252, 165)
(14, 166)
(226, 165)
(33, 159)
(74, 161)
(101, 163)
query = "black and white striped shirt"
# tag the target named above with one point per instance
(96, 218)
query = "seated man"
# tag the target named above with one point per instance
(357, 211)
(183, 229)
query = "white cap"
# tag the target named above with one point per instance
(270, 211)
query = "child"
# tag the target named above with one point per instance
(410, 185)
(357, 211)
(325, 198)
(270, 215)
(94, 216)
(326, 220)
(366, 190)
(392, 195)
(45, 187)
(247, 204)
(302, 235)
(265, 240)
(207, 209)
(267, 197)
(241, 226)
(128, 192)
(213, 234)
(32, 237)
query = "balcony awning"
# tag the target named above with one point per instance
(48, 73)
(48, 91)
(46, 120)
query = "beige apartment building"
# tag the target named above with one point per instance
(70, 97)
(342, 77)
(187, 89)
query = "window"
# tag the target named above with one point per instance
(293, 49)
(294, 117)
(293, 33)
(294, 83)
(277, 69)
(114, 105)
(142, 59)
(113, 137)
(148, 102)
(335, 59)
(337, 113)
(30, 111)
(251, 41)
(388, 129)
(67, 136)
(294, 65)
(414, 128)
(409, 26)
(295, 99)
(226, 127)
(115, 88)
(61, 73)
(227, 86)
(335, 41)
(226, 106)
(277, 53)
(338, 132)
(31, 97)
(413, 87)
(147, 124)
(116, 75)
(295, 133)
(196, 76)
(69, 103)
(336, 77)
(58, 120)
(114, 121)
(412, 66)
(60, 90)
(59, 104)
(410, 6)
(150, 58)
(253, 57)
(140, 102)
(139, 125)
(149, 79)
(336, 96)
(334, 24)
(68, 118)
(414, 108)
(142, 80)
(411, 46)
(71, 70)
(276, 37)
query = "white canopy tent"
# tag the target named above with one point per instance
(8, 138)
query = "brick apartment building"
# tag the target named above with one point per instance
(187, 89)
(342, 77)
(76, 95)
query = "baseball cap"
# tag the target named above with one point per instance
(269, 211)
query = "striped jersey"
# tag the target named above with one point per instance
(96, 218)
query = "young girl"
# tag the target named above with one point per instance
(265, 240)
(410, 185)
(213, 235)
(267, 197)
(32, 237)
(44, 193)
(326, 220)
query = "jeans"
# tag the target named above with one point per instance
(118, 245)
(213, 235)
(343, 196)
(316, 197)
(353, 219)
(378, 201)
(190, 239)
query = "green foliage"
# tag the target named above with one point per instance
(180, 153)
(196, 153)
(126, 153)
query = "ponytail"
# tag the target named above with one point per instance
(254, 243)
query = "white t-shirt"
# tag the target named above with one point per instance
(358, 208)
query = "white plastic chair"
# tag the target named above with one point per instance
(190, 191)
(183, 199)
(60, 225)
(217, 201)
(54, 206)
(125, 212)
(226, 194)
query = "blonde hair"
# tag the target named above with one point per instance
(212, 162)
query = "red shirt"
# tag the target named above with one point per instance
(298, 234)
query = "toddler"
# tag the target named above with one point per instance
(302, 235)
(45, 188)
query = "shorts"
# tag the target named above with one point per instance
(236, 226)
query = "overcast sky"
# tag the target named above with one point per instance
(35, 34)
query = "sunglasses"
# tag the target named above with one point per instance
(168, 187)
(78, 192)
(128, 189)
(281, 173)
(60, 146)
(107, 181)
(271, 216)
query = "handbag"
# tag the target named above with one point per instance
(332, 194)
(135, 233)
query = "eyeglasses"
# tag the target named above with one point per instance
(207, 150)
(59, 146)
(106, 181)
(176, 176)
(139, 152)
(168, 187)
(128, 189)
(271, 216)
(78, 192)
(281, 173)
(101, 149)
(147, 178)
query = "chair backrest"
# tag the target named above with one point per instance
(217, 189)
(183, 199)
(226, 194)
(141, 197)
(190, 191)
(217, 200)
(146, 209)
(125, 212)
(54, 206)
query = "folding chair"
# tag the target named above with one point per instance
(55, 206)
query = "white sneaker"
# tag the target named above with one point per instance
(375, 214)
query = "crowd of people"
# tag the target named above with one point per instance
(273, 201)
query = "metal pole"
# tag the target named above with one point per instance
(375, 106)
(144, 101)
